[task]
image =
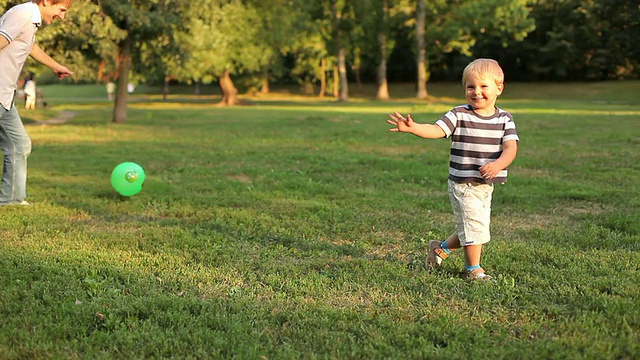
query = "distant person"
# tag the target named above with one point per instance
(111, 90)
(131, 88)
(40, 102)
(18, 27)
(30, 93)
(484, 143)
(20, 88)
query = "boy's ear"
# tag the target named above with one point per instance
(500, 88)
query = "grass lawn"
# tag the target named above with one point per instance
(297, 227)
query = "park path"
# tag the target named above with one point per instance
(61, 118)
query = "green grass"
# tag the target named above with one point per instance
(296, 228)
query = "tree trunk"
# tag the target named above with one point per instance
(323, 77)
(342, 69)
(357, 67)
(383, 86)
(265, 87)
(421, 60)
(336, 82)
(229, 91)
(197, 88)
(340, 85)
(165, 88)
(101, 71)
(124, 64)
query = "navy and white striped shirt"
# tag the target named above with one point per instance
(475, 141)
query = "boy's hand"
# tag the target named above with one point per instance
(490, 170)
(401, 123)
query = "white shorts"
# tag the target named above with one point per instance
(471, 204)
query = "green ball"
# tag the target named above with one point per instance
(127, 178)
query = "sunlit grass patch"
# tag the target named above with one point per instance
(298, 228)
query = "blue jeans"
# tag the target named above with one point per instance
(16, 146)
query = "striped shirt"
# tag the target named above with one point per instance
(475, 141)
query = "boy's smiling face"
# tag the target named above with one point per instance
(482, 93)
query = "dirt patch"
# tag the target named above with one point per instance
(242, 178)
(62, 118)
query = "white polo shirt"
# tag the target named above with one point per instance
(18, 25)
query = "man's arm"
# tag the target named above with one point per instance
(3, 42)
(38, 54)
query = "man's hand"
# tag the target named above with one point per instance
(62, 71)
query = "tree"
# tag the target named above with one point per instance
(329, 26)
(313, 42)
(383, 44)
(106, 39)
(281, 25)
(142, 21)
(371, 41)
(338, 10)
(311, 54)
(580, 39)
(220, 39)
(455, 26)
(421, 59)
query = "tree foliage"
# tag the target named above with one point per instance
(312, 42)
(581, 39)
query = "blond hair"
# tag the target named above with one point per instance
(53, 2)
(487, 69)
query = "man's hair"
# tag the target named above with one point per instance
(487, 69)
(66, 2)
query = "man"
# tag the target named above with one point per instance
(18, 27)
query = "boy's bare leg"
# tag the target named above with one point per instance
(453, 242)
(472, 254)
(437, 252)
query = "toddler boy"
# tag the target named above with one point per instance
(484, 142)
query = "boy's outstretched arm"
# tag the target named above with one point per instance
(406, 124)
(509, 152)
